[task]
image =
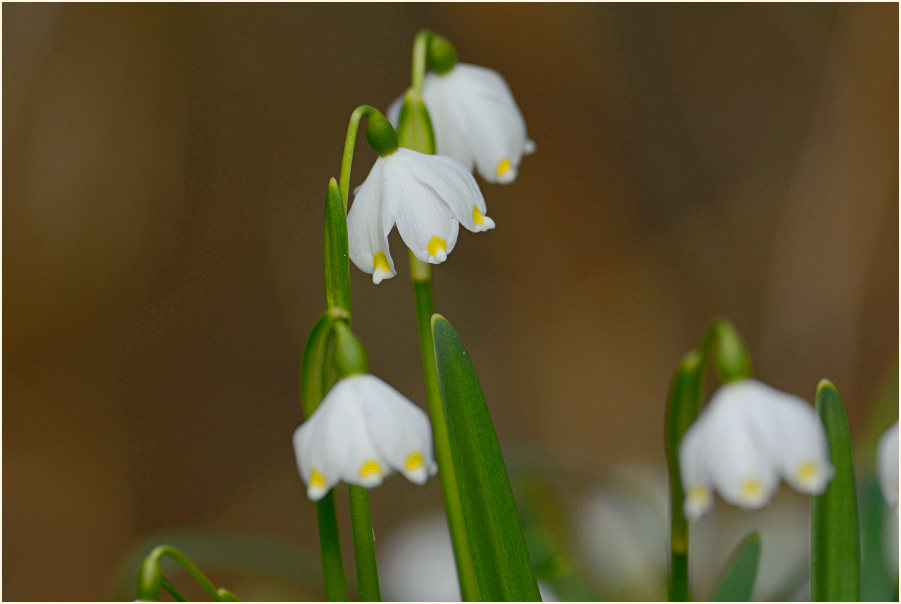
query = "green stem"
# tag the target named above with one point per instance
(682, 408)
(190, 568)
(173, 591)
(466, 574)
(364, 545)
(330, 549)
(349, 142)
(420, 59)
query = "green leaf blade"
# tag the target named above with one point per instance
(738, 583)
(834, 527)
(502, 564)
(335, 255)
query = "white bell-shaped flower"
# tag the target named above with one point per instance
(746, 439)
(475, 119)
(887, 465)
(426, 196)
(362, 431)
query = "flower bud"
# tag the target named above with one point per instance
(380, 133)
(442, 54)
(731, 357)
(350, 356)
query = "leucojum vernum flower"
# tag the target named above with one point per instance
(748, 438)
(362, 431)
(359, 430)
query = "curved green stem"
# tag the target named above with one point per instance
(190, 568)
(349, 142)
(179, 597)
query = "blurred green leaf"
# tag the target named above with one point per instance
(738, 583)
(877, 582)
(337, 277)
(834, 529)
(312, 380)
(503, 569)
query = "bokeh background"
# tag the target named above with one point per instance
(164, 173)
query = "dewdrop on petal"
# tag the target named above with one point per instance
(746, 439)
(363, 431)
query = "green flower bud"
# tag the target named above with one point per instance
(414, 126)
(442, 54)
(350, 356)
(150, 579)
(380, 133)
(731, 357)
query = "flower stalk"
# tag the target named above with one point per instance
(420, 275)
(151, 579)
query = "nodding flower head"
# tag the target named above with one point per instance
(748, 438)
(475, 119)
(362, 431)
(427, 196)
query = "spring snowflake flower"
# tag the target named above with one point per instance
(362, 431)
(748, 438)
(887, 464)
(427, 196)
(475, 119)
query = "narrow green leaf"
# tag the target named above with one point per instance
(681, 410)
(502, 565)
(877, 580)
(834, 530)
(738, 583)
(337, 279)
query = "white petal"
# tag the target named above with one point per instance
(317, 468)
(475, 116)
(400, 430)
(368, 223)
(887, 465)
(424, 221)
(693, 471)
(457, 188)
(735, 453)
(361, 463)
(803, 447)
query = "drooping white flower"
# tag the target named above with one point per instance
(746, 439)
(887, 465)
(426, 196)
(475, 119)
(362, 431)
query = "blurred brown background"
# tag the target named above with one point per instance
(164, 170)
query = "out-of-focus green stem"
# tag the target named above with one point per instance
(330, 549)
(682, 408)
(173, 591)
(364, 545)
(191, 568)
(420, 59)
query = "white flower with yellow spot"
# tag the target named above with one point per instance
(475, 119)
(887, 465)
(362, 431)
(746, 439)
(427, 196)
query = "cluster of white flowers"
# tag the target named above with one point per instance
(362, 431)
(746, 439)
(476, 123)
